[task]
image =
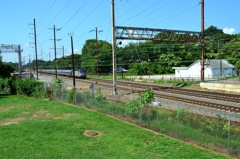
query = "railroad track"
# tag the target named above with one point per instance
(171, 93)
(202, 103)
(181, 91)
(123, 86)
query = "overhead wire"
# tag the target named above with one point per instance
(65, 5)
(84, 4)
(60, 11)
(177, 14)
(45, 15)
(147, 9)
(87, 16)
(137, 53)
(167, 13)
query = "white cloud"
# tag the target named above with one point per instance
(75, 50)
(26, 44)
(229, 30)
(126, 42)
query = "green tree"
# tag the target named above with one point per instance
(140, 68)
(104, 56)
(6, 69)
(232, 51)
(214, 40)
(167, 61)
(213, 32)
(66, 62)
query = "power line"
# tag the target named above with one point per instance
(35, 46)
(75, 13)
(50, 8)
(56, 15)
(55, 51)
(97, 31)
(87, 16)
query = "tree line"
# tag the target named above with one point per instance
(150, 57)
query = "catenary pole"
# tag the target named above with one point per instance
(55, 48)
(203, 43)
(114, 51)
(97, 48)
(96, 31)
(73, 66)
(55, 51)
(35, 41)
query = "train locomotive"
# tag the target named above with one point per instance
(79, 73)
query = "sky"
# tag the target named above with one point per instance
(81, 17)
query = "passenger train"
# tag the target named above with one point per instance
(79, 73)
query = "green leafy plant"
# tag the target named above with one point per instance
(140, 103)
(7, 85)
(29, 87)
(71, 96)
(59, 89)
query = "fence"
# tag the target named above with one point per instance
(218, 134)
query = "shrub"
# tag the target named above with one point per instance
(71, 96)
(7, 85)
(29, 87)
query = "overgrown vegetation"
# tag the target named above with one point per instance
(28, 87)
(5, 69)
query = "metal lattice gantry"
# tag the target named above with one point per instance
(136, 33)
(9, 48)
(5, 48)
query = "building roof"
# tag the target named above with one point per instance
(213, 64)
(180, 68)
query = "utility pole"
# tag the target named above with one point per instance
(29, 63)
(19, 60)
(73, 67)
(41, 60)
(203, 43)
(49, 56)
(63, 56)
(35, 42)
(97, 31)
(221, 71)
(55, 50)
(114, 51)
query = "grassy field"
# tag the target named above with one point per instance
(35, 128)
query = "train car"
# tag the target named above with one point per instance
(79, 73)
(48, 71)
(64, 72)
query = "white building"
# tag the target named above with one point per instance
(213, 69)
